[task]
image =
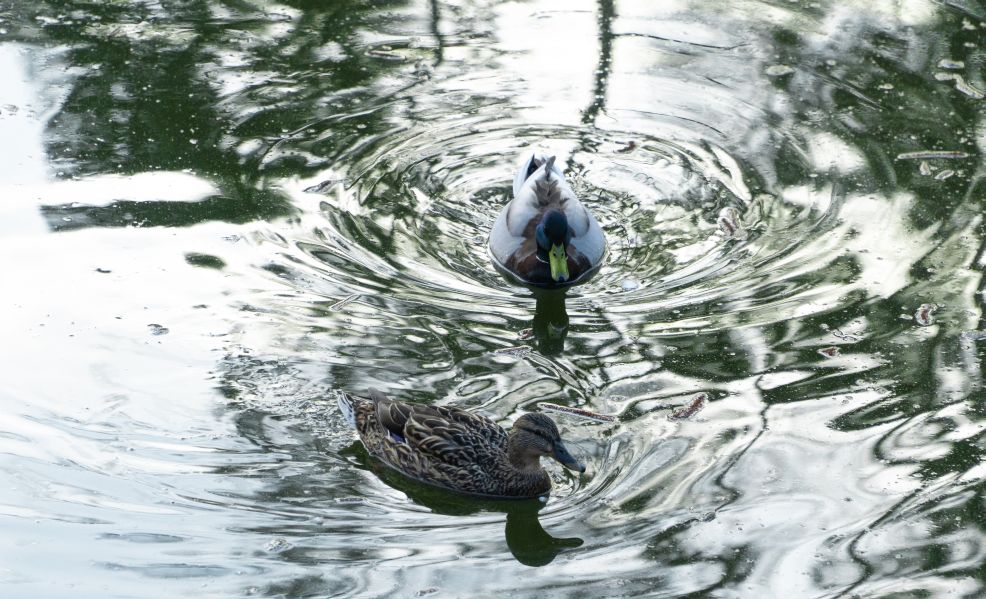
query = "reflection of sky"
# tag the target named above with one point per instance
(554, 53)
(22, 155)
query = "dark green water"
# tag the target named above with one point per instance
(214, 215)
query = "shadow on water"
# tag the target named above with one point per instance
(526, 538)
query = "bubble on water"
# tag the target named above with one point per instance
(629, 285)
(779, 70)
(945, 174)
(829, 352)
(948, 63)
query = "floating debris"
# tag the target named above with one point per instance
(278, 545)
(577, 411)
(104, 271)
(969, 89)
(685, 412)
(885, 86)
(729, 223)
(830, 351)
(945, 174)
(629, 285)
(948, 63)
(344, 302)
(962, 85)
(932, 155)
(925, 314)
(157, 329)
(779, 70)
(385, 52)
(845, 336)
(525, 334)
(924, 168)
(629, 147)
(516, 351)
(320, 187)
(351, 499)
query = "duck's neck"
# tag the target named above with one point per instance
(522, 459)
(526, 470)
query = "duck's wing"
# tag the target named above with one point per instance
(453, 437)
(391, 415)
(587, 236)
(513, 232)
(400, 419)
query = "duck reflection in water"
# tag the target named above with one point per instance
(429, 451)
(546, 240)
(550, 326)
(526, 538)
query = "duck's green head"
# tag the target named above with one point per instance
(535, 435)
(553, 235)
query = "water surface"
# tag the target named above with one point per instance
(215, 216)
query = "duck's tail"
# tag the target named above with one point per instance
(347, 405)
(530, 162)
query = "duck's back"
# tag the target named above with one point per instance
(445, 447)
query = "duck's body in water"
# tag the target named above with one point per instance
(545, 237)
(458, 450)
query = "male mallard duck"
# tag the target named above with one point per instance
(458, 450)
(545, 237)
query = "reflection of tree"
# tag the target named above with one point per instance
(606, 13)
(173, 87)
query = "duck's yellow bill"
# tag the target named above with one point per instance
(558, 260)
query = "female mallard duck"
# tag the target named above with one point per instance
(458, 450)
(545, 237)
